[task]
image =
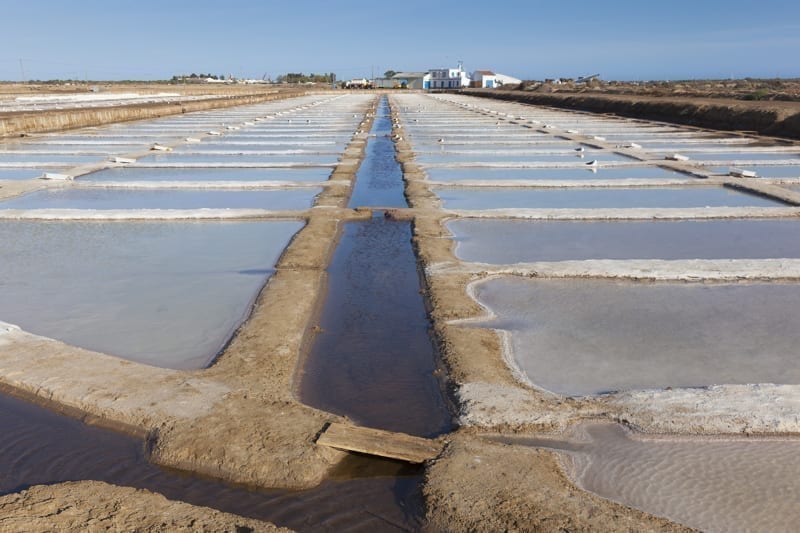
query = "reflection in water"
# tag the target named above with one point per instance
(379, 181)
(41, 447)
(374, 360)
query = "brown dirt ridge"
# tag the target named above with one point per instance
(773, 118)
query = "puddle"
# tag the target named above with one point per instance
(515, 241)
(374, 360)
(715, 485)
(94, 198)
(41, 447)
(578, 337)
(489, 174)
(379, 180)
(497, 198)
(132, 174)
(163, 294)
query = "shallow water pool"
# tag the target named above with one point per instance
(97, 198)
(496, 198)
(765, 171)
(20, 173)
(243, 160)
(164, 294)
(716, 485)
(488, 174)
(133, 174)
(479, 158)
(579, 337)
(514, 241)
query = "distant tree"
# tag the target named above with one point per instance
(389, 73)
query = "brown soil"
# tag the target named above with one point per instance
(483, 486)
(96, 506)
(238, 420)
(478, 485)
(774, 118)
(21, 123)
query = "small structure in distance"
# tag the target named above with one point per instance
(486, 79)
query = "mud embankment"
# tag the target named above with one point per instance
(778, 119)
(17, 124)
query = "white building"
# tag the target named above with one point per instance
(486, 79)
(447, 78)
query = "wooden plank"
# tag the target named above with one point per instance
(379, 442)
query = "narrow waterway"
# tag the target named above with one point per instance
(41, 447)
(379, 181)
(374, 362)
(374, 359)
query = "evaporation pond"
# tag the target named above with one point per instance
(712, 484)
(50, 159)
(133, 174)
(519, 241)
(99, 198)
(243, 160)
(579, 337)
(531, 157)
(743, 156)
(164, 294)
(576, 198)
(764, 171)
(245, 149)
(555, 174)
(20, 173)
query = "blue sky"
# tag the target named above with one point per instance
(529, 39)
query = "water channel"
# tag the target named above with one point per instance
(375, 347)
(373, 360)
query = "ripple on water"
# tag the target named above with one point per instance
(38, 446)
(737, 484)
